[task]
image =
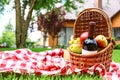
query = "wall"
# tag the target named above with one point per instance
(116, 25)
(116, 20)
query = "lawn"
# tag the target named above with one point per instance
(116, 55)
(33, 49)
(12, 76)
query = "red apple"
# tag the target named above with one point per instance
(83, 37)
(101, 41)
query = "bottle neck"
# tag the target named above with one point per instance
(91, 29)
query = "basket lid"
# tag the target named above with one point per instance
(103, 23)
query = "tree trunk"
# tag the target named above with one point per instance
(53, 39)
(44, 38)
(53, 43)
(18, 23)
(22, 24)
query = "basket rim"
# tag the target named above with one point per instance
(101, 12)
(90, 55)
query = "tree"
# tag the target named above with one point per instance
(51, 23)
(2, 4)
(42, 26)
(23, 18)
(9, 27)
(8, 35)
(22, 23)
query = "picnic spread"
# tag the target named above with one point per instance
(97, 59)
(51, 62)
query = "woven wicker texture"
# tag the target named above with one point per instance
(103, 26)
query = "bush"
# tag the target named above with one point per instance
(8, 38)
(117, 46)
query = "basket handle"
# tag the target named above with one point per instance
(111, 40)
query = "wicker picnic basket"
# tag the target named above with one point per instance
(103, 26)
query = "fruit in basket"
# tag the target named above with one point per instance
(83, 37)
(76, 40)
(77, 48)
(101, 41)
(71, 41)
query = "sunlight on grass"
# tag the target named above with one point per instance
(39, 49)
(7, 49)
(14, 76)
(33, 49)
(116, 55)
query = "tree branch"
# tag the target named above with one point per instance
(18, 22)
(23, 10)
(26, 24)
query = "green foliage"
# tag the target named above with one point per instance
(46, 4)
(8, 38)
(117, 46)
(68, 4)
(9, 27)
(50, 4)
(8, 35)
(2, 4)
(28, 43)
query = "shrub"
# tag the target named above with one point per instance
(117, 46)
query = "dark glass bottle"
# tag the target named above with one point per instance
(90, 45)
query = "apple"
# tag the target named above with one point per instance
(77, 48)
(83, 37)
(71, 41)
(101, 41)
(77, 40)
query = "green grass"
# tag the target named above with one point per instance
(13, 76)
(39, 49)
(33, 49)
(7, 49)
(115, 57)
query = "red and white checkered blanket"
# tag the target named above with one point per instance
(47, 63)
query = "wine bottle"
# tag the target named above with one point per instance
(90, 45)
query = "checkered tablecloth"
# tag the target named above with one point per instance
(48, 63)
(114, 73)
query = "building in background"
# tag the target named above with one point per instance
(111, 7)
